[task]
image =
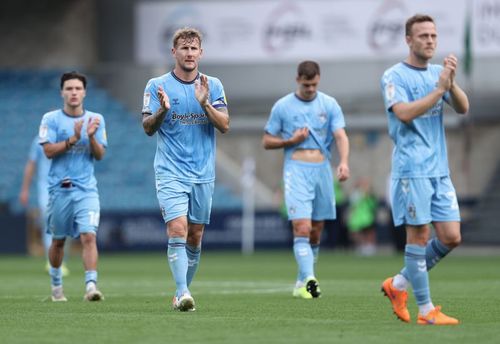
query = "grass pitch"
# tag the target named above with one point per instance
(245, 299)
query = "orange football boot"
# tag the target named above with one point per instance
(398, 300)
(436, 317)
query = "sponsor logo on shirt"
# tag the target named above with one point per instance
(190, 118)
(436, 110)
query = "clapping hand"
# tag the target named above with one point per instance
(201, 90)
(163, 98)
(93, 125)
(78, 129)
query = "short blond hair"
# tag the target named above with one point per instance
(187, 34)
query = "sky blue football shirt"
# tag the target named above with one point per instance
(322, 115)
(77, 164)
(186, 139)
(420, 146)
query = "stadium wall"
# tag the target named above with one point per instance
(48, 34)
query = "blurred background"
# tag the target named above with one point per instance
(253, 47)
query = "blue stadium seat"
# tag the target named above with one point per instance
(26, 95)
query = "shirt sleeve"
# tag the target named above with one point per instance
(47, 132)
(34, 149)
(217, 94)
(101, 135)
(393, 90)
(338, 120)
(150, 102)
(274, 124)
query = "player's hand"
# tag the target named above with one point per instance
(445, 78)
(343, 172)
(451, 62)
(201, 90)
(93, 125)
(163, 98)
(78, 129)
(299, 135)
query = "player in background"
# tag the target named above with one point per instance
(305, 123)
(422, 193)
(38, 163)
(73, 138)
(185, 107)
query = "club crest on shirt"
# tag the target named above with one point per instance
(322, 117)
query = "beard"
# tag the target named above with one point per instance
(187, 69)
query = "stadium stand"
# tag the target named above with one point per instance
(125, 176)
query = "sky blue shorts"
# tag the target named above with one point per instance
(71, 212)
(420, 201)
(309, 192)
(179, 198)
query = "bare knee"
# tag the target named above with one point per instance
(58, 243)
(452, 241)
(301, 230)
(177, 228)
(448, 233)
(87, 239)
(417, 235)
(315, 237)
(195, 234)
(316, 230)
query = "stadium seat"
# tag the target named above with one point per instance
(25, 95)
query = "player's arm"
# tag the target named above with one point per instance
(458, 99)
(29, 171)
(151, 122)
(275, 142)
(342, 142)
(96, 149)
(219, 117)
(407, 112)
(52, 150)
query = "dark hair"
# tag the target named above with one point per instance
(187, 33)
(308, 69)
(73, 75)
(417, 18)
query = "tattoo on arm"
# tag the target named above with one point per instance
(152, 122)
